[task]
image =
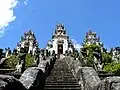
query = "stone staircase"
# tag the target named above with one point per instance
(61, 78)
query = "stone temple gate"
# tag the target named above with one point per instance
(60, 42)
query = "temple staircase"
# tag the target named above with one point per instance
(61, 78)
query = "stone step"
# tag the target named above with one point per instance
(60, 88)
(64, 76)
(61, 78)
(60, 71)
(60, 74)
(61, 83)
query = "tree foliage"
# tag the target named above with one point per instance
(106, 58)
(29, 60)
(13, 60)
(113, 68)
(87, 51)
(109, 65)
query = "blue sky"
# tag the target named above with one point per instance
(41, 16)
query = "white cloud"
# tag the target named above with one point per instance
(26, 2)
(6, 13)
(76, 45)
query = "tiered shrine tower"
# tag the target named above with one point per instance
(28, 42)
(92, 38)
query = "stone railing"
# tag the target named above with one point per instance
(32, 78)
(88, 78)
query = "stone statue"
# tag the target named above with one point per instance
(21, 64)
(37, 53)
(99, 66)
(22, 38)
(42, 52)
(1, 53)
(53, 53)
(30, 47)
(66, 52)
(34, 50)
(14, 51)
(8, 52)
(97, 61)
(47, 53)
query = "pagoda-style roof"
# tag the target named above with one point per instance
(92, 38)
(27, 38)
(60, 31)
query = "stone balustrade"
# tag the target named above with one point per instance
(88, 78)
(32, 78)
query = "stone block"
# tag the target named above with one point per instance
(87, 78)
(33, 79)
(10, 83)
(109, 83)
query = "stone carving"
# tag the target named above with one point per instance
(15, 52)
(60, 41)
(92, 38)
(37, 56)
(115, 54)
(8, 52)
(21, 64)
(47, 53)
(28, 42)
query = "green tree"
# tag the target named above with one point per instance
(106, 58)
(29, 60)
(13, 60)
(87, 51)
(113, 68)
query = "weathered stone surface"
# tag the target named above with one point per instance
(33, 79)
(10, 83)
(109, 83)
(74, 65)
(89, 77)
(42, 65)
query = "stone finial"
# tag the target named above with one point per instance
(60, 26)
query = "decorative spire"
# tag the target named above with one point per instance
(60, 26)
